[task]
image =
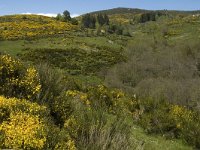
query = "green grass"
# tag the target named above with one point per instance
(63, 42)
(88, 80)
(77, 54)
(12, 47)
(156, 142)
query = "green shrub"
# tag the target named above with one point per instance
(76, 61)
(101, 131)
(172, 121)
(188, 122)
(54, 84)
(155, 117)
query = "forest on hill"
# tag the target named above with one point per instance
(118, 79)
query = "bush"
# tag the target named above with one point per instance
(23, 131)
(27, 125)
(54, 84)
(157, 70)
(76, 61)
(172, 121)
(22, 124)
(16, 80)
(188, 122)
(98, 130)
(95, 122)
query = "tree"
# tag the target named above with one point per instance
(150, 16)
(92, 21)
(106, 18)
(86, 21)
(89, 21)
(59, 17)
(102, 19)
(66, 15)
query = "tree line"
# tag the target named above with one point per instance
(89, 20)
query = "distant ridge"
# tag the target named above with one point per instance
(122, 10)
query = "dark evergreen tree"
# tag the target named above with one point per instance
(100, 19)
(92, 21)
(86, 21)
(106, 19)
(66, 15)
(150, 16)
(89, 21)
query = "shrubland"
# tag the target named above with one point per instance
(31, 26)
(91, 89)
(77, 116)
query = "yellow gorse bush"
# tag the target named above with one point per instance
(13, 104)
(30, 79)
(67, 144)
(17, 80)
(9, 63)
(83, 97)
(181, 115)
(72, 126)
(21, 124)
(23, 131)
(22, 26)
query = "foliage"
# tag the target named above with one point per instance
(74, 21)
(98, 130)
(172, 121)
(66, 18)
(102, 19)
(21, 124)
(23, 131)
(54, 84)
(82, 115)
(17, 27)
(28, 125)
(89, 21)
(77, 61)
(17, 80)
(148, 17)
(66, 15)
(160, 70)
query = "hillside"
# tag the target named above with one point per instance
(29, 26)
(121, 10)
(132, 83)
(126, 15)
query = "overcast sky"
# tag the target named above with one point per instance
(76, 7)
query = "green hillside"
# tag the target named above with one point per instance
(128, 83)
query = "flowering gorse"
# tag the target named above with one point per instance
(21, 124)
(28, 26)
(16, 80)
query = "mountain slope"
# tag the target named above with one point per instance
(28, 26)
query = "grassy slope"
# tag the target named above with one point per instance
(151, 142)
(88, 43)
